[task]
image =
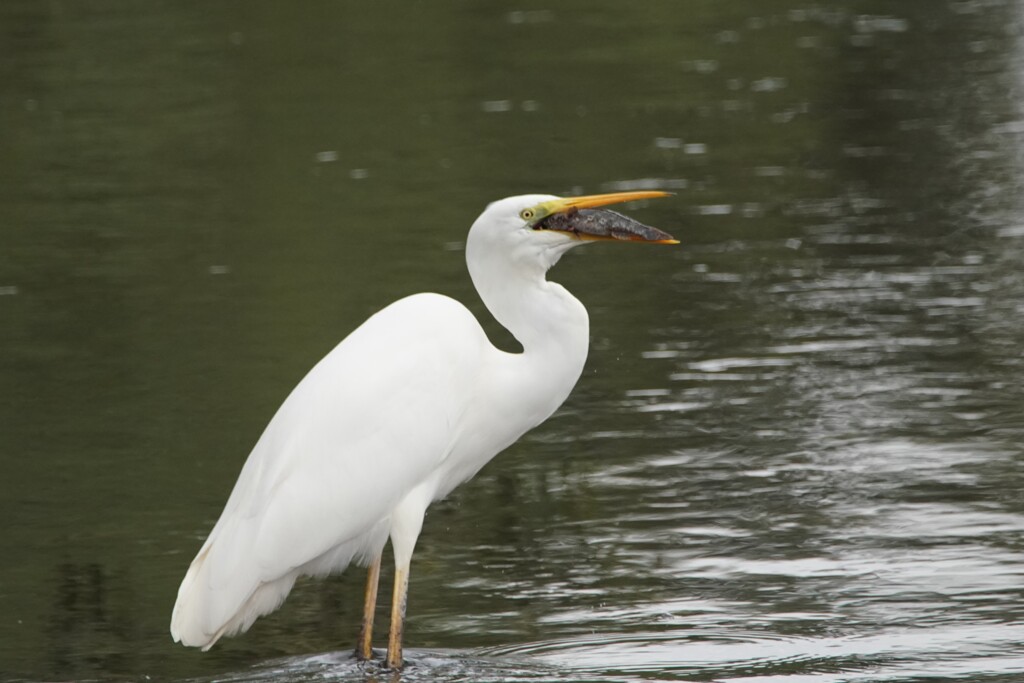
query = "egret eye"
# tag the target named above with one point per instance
(526, 214)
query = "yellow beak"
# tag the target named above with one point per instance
(594, 200)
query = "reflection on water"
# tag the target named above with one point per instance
(794, 456)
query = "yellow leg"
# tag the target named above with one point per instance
(398, 600)
(364, 648)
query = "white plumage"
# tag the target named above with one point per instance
(411, 404)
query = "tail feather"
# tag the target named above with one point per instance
(186, 619)
(223, 593)
(202, 615)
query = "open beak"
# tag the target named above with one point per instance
(579, 217)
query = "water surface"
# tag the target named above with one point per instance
(794, 455)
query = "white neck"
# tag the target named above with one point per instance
(549, 322)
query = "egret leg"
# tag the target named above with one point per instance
(364, 648)
(406, 522)
(398, 601)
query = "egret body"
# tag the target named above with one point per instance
(408, 406)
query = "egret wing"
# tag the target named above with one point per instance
(370, 421)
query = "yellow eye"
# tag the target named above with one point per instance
(526, 214)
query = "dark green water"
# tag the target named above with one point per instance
(794, 456)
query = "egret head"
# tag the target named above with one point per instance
(535, 230)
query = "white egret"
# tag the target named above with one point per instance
(408, 406)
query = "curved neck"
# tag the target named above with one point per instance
(549, 322)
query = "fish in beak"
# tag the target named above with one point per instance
(579, 218)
